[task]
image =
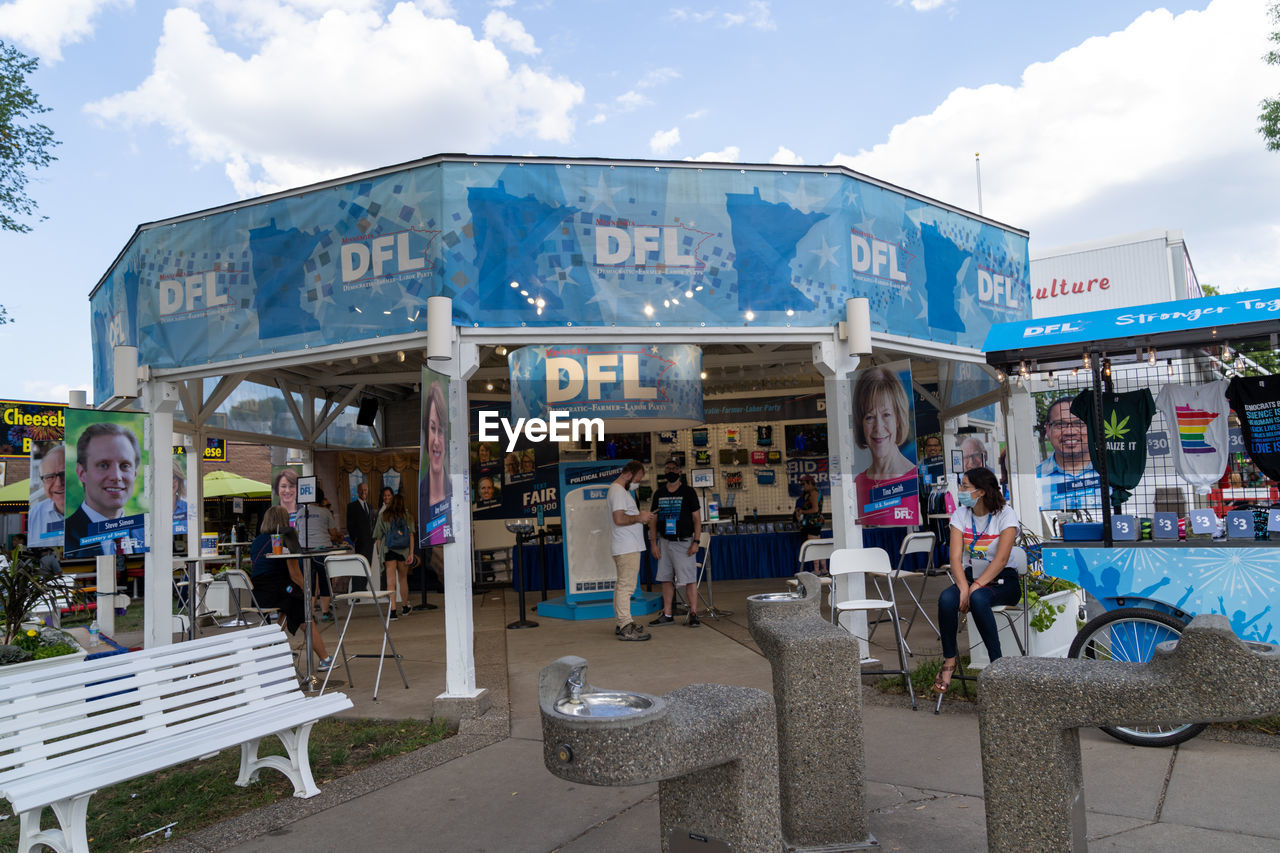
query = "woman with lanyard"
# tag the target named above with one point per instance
(982, 534)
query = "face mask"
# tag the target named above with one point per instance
(673, 477)
(967, 499)
(633, 485)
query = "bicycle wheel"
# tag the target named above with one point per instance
(1130, 635)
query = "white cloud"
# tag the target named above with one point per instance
(631, 100)
(657, 77)
(697, 114)
(327, 94)
(44, 27)
(502, 4)
(501, 27)
(1149, 108)
(664, 140)
(924, 5)
(784, 156)
(756, 14)
(729, 154)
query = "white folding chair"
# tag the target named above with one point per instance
(915, 543)
(856, 565)
(811, 551)
(356, 566)
(237, 581)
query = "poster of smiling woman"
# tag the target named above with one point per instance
(106, 460)
(435, 514)
(884, 452)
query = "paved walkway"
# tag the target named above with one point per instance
(486, 789)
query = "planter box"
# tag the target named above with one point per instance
(1054, 643)
(28, 666)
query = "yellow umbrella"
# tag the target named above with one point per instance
(221, 484)
(16, 492)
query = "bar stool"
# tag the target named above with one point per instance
(356, 566)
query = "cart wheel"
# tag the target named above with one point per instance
(1130, 635)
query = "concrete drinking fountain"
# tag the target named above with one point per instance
(818, 694)
(1032, 709)
(711, 748)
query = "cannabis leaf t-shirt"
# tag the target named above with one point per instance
(1125, 418)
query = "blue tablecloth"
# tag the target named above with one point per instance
(737, 556)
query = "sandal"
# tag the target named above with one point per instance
(941, 685)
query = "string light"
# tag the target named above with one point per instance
(1169, 367)
(1084, 362)
(1151, 356)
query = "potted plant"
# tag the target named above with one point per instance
(22, 590)
(1051, 604)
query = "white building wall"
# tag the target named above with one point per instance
(1137, 269)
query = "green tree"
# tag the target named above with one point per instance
(24, 143)
(1270, 115)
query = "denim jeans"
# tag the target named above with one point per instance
(1005, 591)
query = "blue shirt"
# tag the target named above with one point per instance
(1061, 490)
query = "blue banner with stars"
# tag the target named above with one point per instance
(554, 244)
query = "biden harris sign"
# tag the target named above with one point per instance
(630, 387)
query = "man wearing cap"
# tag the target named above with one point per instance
(673, 536)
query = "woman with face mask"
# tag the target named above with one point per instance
(982, 534)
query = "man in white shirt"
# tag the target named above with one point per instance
(627, 546)
(45, 521)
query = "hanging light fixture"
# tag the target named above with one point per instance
(1151, 356)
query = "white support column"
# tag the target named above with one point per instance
(461, 697)
(1023, 456)
(834, 362)
(159, 400)
(195, 493)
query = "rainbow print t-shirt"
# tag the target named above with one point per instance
(1196, 420)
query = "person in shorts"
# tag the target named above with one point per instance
(673, 537)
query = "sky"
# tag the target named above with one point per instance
(1094, 118)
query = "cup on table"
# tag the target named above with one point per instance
(277, 543)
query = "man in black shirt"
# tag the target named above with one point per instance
(673, 538)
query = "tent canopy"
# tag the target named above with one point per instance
(18, 491)
(222, 484)
(1228, 317)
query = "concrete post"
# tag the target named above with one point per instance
(818, 696)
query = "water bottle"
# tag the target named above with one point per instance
(93, 634)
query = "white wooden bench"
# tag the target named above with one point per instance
(68, 730)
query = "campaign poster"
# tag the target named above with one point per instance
(1065, 476)
(884, 454)
(435, 507)
(179, 491)
(106, 463)
(284, 489)
(47, 501)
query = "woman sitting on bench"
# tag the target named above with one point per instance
(278, 583)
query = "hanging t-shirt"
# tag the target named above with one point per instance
(1125, 418)
(1196, 417)
(1256, 400)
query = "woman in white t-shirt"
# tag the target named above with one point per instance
(982, 534)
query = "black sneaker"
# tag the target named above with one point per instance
(693, 621)
(663, 619)
(633, 633)
(394, 614)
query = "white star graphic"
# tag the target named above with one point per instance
(602, 195)
(800, 199)
(826, 254)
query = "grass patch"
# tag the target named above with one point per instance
(201, 793)
(922, 678)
